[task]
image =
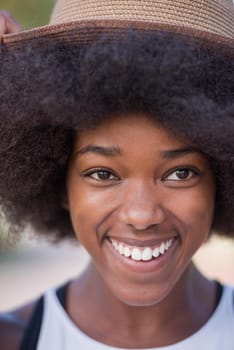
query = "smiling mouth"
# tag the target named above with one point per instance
(142, 253)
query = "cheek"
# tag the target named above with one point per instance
(195, 211)
(194, 206)
(88, 208)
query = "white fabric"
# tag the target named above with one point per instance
(58, 332)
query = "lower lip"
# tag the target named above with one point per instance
(145, 266)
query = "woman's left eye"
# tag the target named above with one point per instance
(183, 174)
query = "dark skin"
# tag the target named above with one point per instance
(132, 168)
(13, 324)
(150, 187)
(8, 24)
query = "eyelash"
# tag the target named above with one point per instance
(113, 177)
(92, 172)
(191, 171)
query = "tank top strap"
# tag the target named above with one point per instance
(61, 293)
(32, 332)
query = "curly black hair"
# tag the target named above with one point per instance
(50, 90)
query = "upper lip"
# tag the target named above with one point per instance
(142, 242)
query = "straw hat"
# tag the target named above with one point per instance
(82, 21)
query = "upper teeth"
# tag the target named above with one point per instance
(141, 253)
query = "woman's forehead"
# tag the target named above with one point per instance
(129, 130)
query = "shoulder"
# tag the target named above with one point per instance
(231, 296)
(228, 293)
(225, 309)
(13, 325)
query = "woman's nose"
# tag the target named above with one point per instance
(141, 207)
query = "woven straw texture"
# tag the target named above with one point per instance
(214, 16)
(82, 21)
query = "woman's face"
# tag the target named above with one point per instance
(141, 202)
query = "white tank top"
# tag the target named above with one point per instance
(58, 332)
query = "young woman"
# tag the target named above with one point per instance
(116, 129)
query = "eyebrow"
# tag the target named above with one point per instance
(105, 151)
(175, 153)
(116, 151)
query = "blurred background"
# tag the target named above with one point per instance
(29, 13)
(30, 266)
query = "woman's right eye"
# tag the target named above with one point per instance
(101, 175)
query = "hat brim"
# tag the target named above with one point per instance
(87, 31)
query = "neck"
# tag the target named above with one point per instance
(191, 302)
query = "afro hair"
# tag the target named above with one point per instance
(51, 90)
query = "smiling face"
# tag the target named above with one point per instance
(141, 202)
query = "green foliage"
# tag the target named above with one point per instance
(29, 13)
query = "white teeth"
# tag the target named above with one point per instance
(127, 252)
(156, 252)
(115, 244)
(147, 254)
(162, 248)
(136, 254)
(121, 249)
(168, 244)
(144, 254)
